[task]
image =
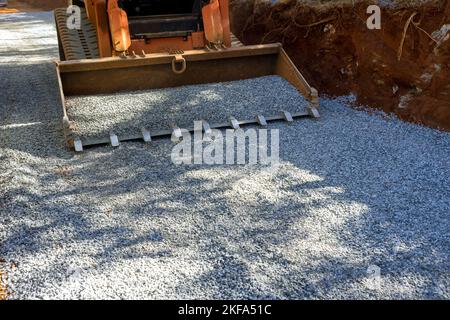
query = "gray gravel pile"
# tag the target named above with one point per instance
(127, 113)
(358, 208)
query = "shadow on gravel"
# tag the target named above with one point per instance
(351, 193)
(317, 239)
(31, 112)
(253, 249)
(311, 229)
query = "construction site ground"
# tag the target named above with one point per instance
(358, 207)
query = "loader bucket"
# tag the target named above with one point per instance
(155, 71)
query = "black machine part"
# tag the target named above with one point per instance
(162, 18)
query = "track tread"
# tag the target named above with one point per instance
(77, 44)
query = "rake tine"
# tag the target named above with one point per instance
(114, 140)
(206, 127)
(288, 116)
(261, 120)
(146, 135)
(177, 132)
(78, 145)
(314, 112)
(234, 123)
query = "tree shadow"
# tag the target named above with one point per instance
(310, 229)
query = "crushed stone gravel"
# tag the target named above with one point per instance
(357, 208)
(126, 113)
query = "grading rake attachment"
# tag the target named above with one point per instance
(164, 70)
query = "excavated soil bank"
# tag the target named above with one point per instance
(332, 46)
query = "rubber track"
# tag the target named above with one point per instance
(77, 44)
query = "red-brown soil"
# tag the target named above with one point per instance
(338, 54)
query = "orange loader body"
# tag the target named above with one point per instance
(114, 38)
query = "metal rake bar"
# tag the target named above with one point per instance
(146, 135)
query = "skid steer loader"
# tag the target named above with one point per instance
(131, 45)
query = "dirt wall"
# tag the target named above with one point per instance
(398, 71)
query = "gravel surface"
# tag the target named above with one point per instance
(127, 113)
(354, 194)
